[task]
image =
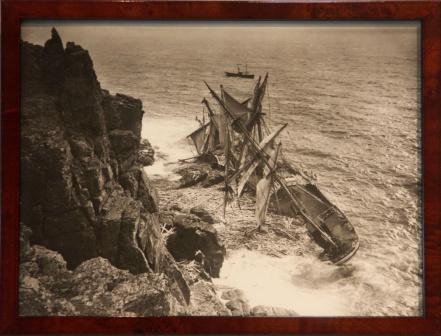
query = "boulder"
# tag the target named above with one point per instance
(214, 177)
(191, 175)
(94, 288)
(238, 307)
(146, 154)
(203, 214)
(272, 311)
(190, 235)
(233, 294)
(122, 112)
(100, 287)
(205, 302)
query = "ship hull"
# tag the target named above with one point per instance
(316, 208)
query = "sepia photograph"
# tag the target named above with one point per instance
(220, 168)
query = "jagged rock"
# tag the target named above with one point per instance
(81, 149)
(204, 301)
(232, 294)
(81, 100)
(122, 112)
(201, 172)
(147, 193)
(146, 154)
(203, 214)
(46, 262)
(125, 145)
(95, 287)
(85, 193)
(214, 177)
(191, 175)
(123, 141)
(238, 307)
(272, 311)
(193, 271)
(192, 235)
(33, 85)
(178, 283)
(236, 302)
(145, 158)
(130, 255)
(53, 62)
(113, 292)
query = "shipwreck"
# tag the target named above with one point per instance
(238, 138)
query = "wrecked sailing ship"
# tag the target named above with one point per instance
(238, 138)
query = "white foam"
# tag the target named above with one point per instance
(167, 137)
(295, 283)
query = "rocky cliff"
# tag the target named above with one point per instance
(84, 193)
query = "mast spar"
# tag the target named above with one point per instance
(279, 180)
(236, 133)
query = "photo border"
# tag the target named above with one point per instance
(429, 15)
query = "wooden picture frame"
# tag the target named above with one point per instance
(429, 15)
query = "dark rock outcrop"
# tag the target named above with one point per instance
(146, 154)
(203, 214)
(214, 177)
(85, 194)
(204, 299)
(201, 173)
(95, 287)
(191, 175)
(190, 237)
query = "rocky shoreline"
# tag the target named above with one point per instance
(95, 240)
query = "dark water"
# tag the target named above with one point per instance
(350, 96)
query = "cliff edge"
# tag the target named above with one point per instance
(84, 193)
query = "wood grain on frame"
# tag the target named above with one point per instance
(429, 13)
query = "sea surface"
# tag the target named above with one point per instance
(350, 94)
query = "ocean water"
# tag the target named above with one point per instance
(350, 95)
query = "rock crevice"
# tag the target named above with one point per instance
(91, 240)
(84, 193)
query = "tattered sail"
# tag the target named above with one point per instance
(199, 137)
(251, 167)
(250, 159)
(237, 109)
(220, 121)
(212, 139)
(259, 93)
(263, 187)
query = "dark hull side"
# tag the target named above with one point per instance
(240, 75)
(315, 206)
